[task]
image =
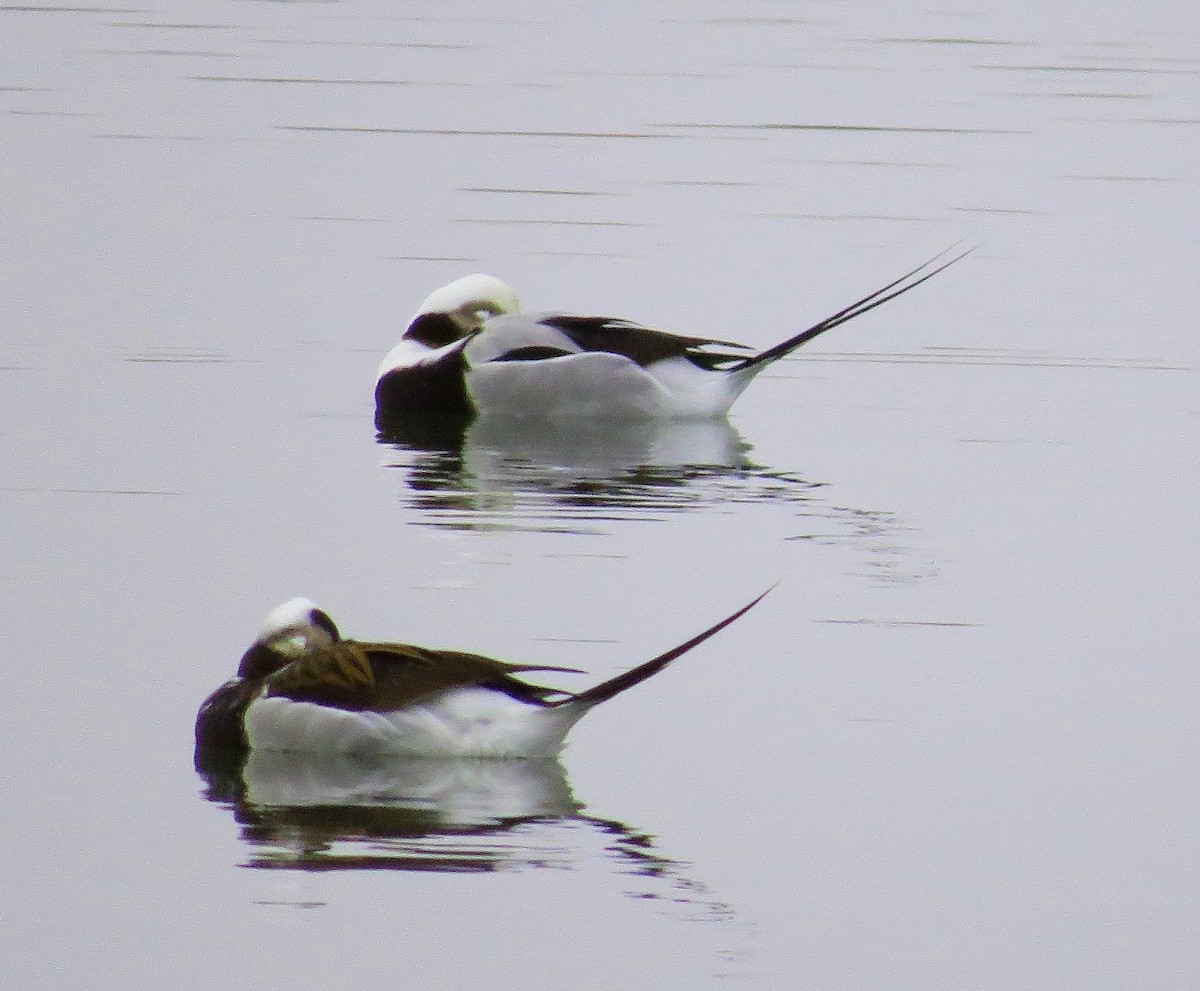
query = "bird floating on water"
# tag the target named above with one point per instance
(300, 687)
(469, 351)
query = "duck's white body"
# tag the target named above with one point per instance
(461, 722)
(595, 385)
(470, 351)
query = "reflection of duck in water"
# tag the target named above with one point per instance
(589, 447)
(469, 351)
(315, 812)
(301, 687)
(459, 472)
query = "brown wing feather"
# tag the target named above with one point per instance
(384, 677)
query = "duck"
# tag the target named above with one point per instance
(302, 688)
(469, 351)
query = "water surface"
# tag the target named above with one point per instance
(954, 747)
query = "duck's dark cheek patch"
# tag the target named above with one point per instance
(436, 387)
(321, 618)
(434, 330)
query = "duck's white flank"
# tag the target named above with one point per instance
(461, 722)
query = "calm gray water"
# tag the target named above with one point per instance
(955, 748)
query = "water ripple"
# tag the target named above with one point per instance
(482, 133)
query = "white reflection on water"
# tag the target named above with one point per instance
(320, 812)
(589, 477)
(487, 473)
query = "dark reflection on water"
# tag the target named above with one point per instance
(348, 812)
(472, 475)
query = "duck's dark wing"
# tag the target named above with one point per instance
(384, 677)
(643, 345)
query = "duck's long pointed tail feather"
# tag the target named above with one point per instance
(909, 280)
(614, 686)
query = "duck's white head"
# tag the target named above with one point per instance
(450, 313)
(289, 631)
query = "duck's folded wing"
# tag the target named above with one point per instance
(640, 344)
(517, 337)
(384, 677)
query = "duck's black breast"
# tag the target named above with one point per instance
(436, 386)
(220, 723)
